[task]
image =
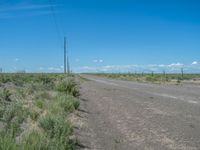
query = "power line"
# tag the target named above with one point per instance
(66, 54)
(56, 21)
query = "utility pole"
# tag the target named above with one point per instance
(65, 52)
(164, 73)
(152, 73)
(66, 58)
(182, 74)
(68, 67)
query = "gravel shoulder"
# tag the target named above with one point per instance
(116, 115)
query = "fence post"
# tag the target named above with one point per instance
(182, 73)
(152, 73)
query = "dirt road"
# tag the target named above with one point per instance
(123, 115)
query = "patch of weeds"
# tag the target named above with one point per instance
(42, 95)
(46, 80)
(39, 103)
(30, 89)
(13, 116)
(58, 131)
(34, 115)
(179, 80)
(152, 78)
(21, 92)
(117, 141)
(76, 103)
(5, 95)
(5, 78)
(67, 102)
(47, 123)
(34, 140)
(68, 86)
(2, 109)
(167, 79)
(7, 142)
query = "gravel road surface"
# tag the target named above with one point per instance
(125, 115)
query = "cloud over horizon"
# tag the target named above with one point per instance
(157, 68)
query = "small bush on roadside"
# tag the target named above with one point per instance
(152, 78)
(34, 140)
(179, 80)
(7, 142)
(76, 103)
(34, 115)
(68, 86)
(39, 103)
(68, 103)
(58, 131)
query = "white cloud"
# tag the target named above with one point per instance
(195, 63)
(97, 60)
(85, 67)
(161, 65)
(55, 69)
(157, 68)
(175, 64)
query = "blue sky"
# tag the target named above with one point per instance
(103, 35)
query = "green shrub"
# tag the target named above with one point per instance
(2, 109)
(68, 86)
(42, 95)
(58, 131)
(14, 115)
(67, 102)
(5, 95)
(34, 115)
(5, 78)
(46, 80)
(34, 141)
(39, 103)
(7, 142)
(179, 80)
(76, 103)
(48, 123)
(151, 78)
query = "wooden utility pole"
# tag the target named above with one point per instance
(65, 52)
(152, 73)
(68, 67)
(182, 74)
(66, 58)
(164, 73)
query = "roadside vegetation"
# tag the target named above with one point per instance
(154, 78)
(35, 110)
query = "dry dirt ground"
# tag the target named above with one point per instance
(123, 115)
